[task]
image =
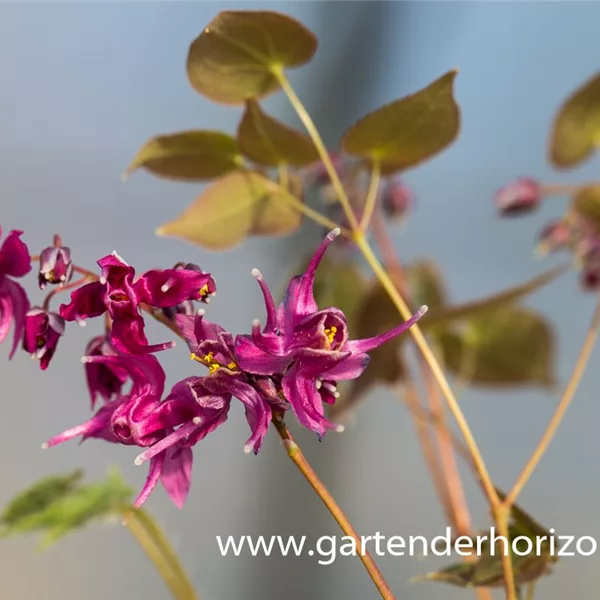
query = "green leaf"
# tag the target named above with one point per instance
(426, 284)
(237, 54)
(269, 142)
(487, 570)
(38, 497)
(239, 204)
(408, 131)
(443, 316)
(587, 203)
(74, 507)
(188, 155)
(513, 346)
(576, 128)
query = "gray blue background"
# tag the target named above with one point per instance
(84, 84)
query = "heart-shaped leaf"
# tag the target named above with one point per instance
(269, 142)
(239, 204)
(487, 570)
(576, 128)
(408, 131)
(511, 347)
(188, 155)
(237, 54)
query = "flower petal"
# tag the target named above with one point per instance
(15, 259)
(86, 302)
(170, 287)
(154, 474)
(176, 475)
(15, 305)
(252, 359)
(369, 344)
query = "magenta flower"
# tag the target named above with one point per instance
(43, 329)
(141, 419)
(56, 266)
(120, 294)
(557, 235)
(397, 199)
(104, 379)
(309, 347)
(214, 347)
(15, 261)
(519, 197)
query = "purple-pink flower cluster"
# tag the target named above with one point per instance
(574, 233)
(294, 362)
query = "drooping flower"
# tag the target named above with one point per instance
(56, 266)
(121, 295)
(141, 419)
(104, 379)
(43, 330)
(521, 196)
(396, 199)
(311, 348)
(15, 261)
(213, 346)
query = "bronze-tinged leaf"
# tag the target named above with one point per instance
(408, 131)
(426, 284)
(576, 128)
(587, 203)
(239, 204)
(188, 155)
(270, 143)
(446, 315)
(237, 54)
(512, 347)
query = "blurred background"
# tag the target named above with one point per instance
(85, 84)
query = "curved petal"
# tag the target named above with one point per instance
(86, 302)
(369, 344)
(349, 368)
(154, 474)
(306, 402)
(15, 259)
(170, 287)
(127, 336)
(19, 305)
(252, 359)
(176, 475)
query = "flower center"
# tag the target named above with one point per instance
(330, 333)
(203, 291)
(213, 365)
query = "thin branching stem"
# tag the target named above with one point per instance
(157, 548)
(371, 200)
(298, 458)
(561, 409)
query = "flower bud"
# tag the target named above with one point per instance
(42, 332)
(557, 235)
(397, 199)
(55, 266)
(519, 197)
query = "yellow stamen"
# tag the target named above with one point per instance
(232, 365)
(203, 291)
(330, 333)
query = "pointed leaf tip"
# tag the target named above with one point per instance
(410, 130)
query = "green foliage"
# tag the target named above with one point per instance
(487, 570)
(587, 204)
(408, 131)
(270, 143)
(576, 128)
(239, 204)
(239, 52)
(188, 155)
(509, 347)
(60, 504)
